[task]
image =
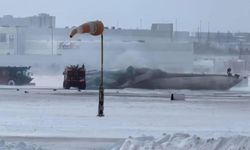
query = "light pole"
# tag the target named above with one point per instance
(52, 35)
(94, 28)
(17, 42)
(52, 40)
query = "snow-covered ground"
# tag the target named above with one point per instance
(53, 113)
(18, 146)
(182, 141)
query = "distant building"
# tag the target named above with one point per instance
(163, 27)
(15, 32)
(43, 20)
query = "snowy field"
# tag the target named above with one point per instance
(54, 118)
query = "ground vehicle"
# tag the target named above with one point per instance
(74, 76)
(14, 75)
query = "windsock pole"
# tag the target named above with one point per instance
(94, 28)
(101, 89)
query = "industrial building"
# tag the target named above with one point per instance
(161, 45)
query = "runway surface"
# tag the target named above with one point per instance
(54, 118)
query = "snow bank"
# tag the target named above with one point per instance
(18, 146)
(184, 142)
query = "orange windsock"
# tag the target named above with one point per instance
(93, 28)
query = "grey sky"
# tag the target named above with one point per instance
(223, 15)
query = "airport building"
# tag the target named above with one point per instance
(42, 20)
(159, 47)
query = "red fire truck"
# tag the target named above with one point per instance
(74, 76)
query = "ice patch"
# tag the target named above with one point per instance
(182, 141)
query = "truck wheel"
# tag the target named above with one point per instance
(65, 85)
(82, 87)
(11, 82)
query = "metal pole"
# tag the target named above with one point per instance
(52, 36)
(52, 40)
(101, 89)
(16, 40)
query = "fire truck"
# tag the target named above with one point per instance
(74, 76)
(12, 75)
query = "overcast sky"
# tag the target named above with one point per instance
(223, 15)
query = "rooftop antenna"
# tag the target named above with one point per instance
(176, 23)
(140, 23)
(200, 25)
(199, 30)
(198, 34)
(117, 24)
(208, 33)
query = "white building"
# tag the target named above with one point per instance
(41, 21)
(156, 48)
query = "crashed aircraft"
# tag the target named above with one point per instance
(145, 78)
